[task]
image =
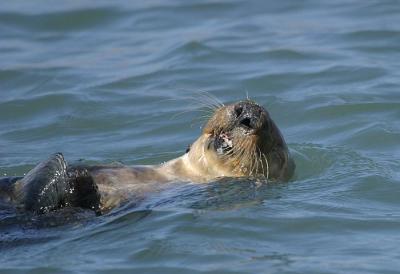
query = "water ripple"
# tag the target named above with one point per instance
(65, 21)
(106, 82)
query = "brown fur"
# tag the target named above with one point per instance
(261, 153)
(239, 140)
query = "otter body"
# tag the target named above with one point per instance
(239, 140)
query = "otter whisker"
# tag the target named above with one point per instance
(266, 162)
(249, 155)
(237, 155)
(253, 158)
(200, 119)
(260, 162)
(207, 95)
(286, 153)
(189, 110)
(233, 155)
(205, 98)
(207, 113)
(208, 105)
(246, 154)
(212, 97)
(260, 159)
(200, 104)
(255, 162)
(247, 95)
(203, 102)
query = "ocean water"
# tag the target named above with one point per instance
(123, 81)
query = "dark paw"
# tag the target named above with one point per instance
(83, 190)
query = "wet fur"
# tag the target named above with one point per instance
(257, 150)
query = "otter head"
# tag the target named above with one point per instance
(240, 140)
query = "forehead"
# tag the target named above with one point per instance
(247, 105)
(243, 105)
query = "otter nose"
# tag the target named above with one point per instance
(248, 114)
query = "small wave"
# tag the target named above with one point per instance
(331, 76)
(73, 20)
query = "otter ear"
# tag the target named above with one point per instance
(188, 148)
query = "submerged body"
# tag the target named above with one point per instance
(239, 140)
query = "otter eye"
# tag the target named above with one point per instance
(238, 110)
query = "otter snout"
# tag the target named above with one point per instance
(249, 115)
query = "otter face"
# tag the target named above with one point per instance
(239, 140)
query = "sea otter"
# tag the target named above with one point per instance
(239, 140)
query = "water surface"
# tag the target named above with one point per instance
(110, 81)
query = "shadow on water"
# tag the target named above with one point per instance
(21, 229)
(313, 162)
(228, 194)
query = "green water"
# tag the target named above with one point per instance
(106, 81)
